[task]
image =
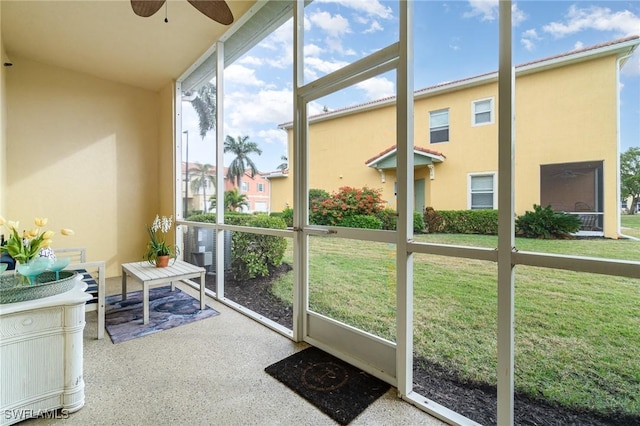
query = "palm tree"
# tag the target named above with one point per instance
(241, 148)
(233, 200)
(204, 176)
(285, 164)
(205, 105)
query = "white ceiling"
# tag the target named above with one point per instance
(104, 38)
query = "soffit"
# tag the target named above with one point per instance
(107, 40)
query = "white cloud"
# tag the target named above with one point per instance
(251, 60)
(578, 45)
(528, 39)
(247, 110)
(282, 35)
(313, 50)
(361, 20)
(517, 15)
(281, 42)
(528, 44)
(370, 7)
(240, 74)
(598, 18)
(377, 87)
(322, 65)
(334, 26)
(374, 27)
(488, 11)
(273, 136)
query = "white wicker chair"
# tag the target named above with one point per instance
(94, 275)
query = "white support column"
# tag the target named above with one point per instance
(404, 259)
(220, 252)
(177, 169)
(506, 238)
(300, 168)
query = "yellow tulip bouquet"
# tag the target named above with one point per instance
(24, 247)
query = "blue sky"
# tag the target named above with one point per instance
(453, 40)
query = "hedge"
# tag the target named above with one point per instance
(462, 221)
(252, 255)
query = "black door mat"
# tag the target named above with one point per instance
(338, 389)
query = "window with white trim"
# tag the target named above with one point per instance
(261, 187)
(482, 112)
(244, 186)
(482, 191)
(439, 126)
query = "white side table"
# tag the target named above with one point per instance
(41, 358)
(150, 276)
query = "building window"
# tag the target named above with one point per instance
(482, 112)
(439, 126)
(261, 187)
(244, 187)
(482, 191)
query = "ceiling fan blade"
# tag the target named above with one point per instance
(146, 8)
(214, 9)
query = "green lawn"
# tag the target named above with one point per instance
(577, 334)
(631, 225)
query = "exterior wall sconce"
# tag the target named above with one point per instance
(432, 174)
(383, 178)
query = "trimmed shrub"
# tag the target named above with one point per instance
(251, 254)
(418, 223)
(432, 220)
(464, 221)
(362, 221)
(546, 223)
(287, 216)
(389, 219)
(200, 217)
(318, 195)
(348, 201)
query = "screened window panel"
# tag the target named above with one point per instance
(483, 117)
(482, 111)
(482, 201)
(439, 119)
(439, 135)
(481, 183)
(439, 126)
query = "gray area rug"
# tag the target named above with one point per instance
(167, 309)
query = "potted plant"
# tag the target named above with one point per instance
(158, 251)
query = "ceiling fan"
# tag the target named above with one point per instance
(218, 10)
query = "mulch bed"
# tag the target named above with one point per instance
(477, 401)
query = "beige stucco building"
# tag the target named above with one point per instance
(566, 141)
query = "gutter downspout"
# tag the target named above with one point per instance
(618, 61)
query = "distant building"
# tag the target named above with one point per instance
(257, 189)
(566, 133)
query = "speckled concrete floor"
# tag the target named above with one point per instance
(210, 372)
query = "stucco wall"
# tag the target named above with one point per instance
(83, 152)
(568, 115)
